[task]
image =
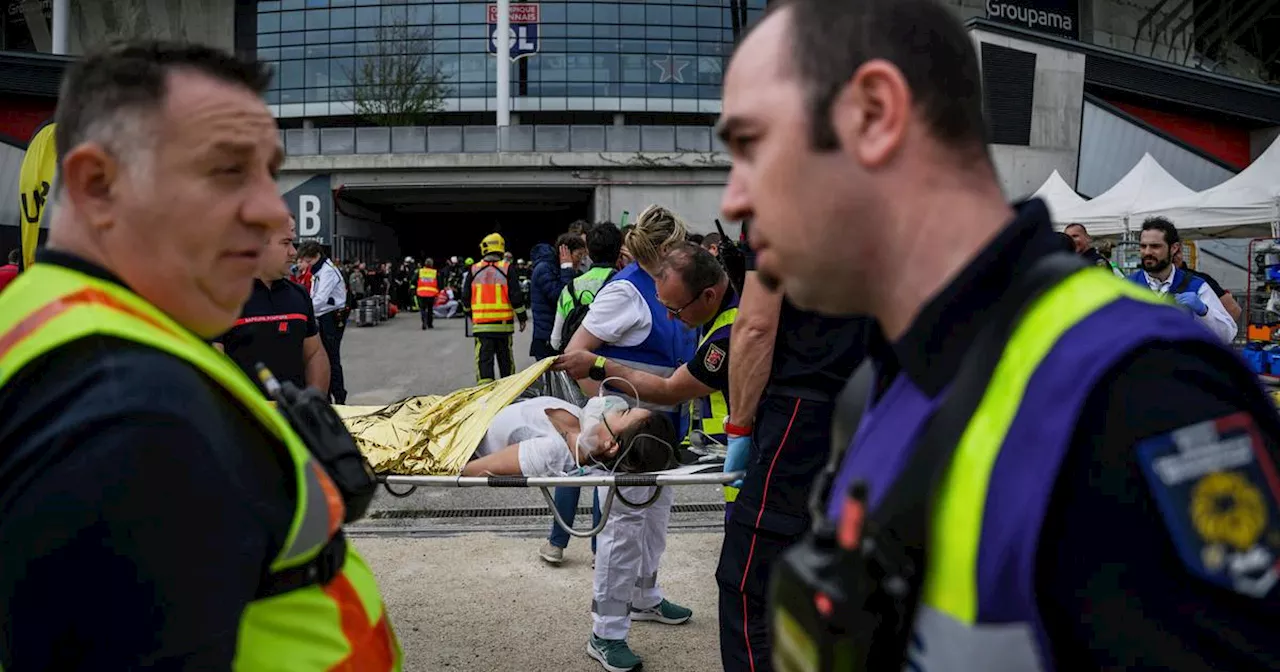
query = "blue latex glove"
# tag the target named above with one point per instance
(1192, 301)
(736, 459)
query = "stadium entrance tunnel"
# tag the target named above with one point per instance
(441, 222)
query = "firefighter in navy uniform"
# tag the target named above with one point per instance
(158, 512)
(493, 300)
(787, 368)
(1040, 466)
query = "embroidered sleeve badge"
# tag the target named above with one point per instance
(1219, 493)
(714, 359)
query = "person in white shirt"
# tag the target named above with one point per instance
(1159, 243)
(547, 436)
(328, 296)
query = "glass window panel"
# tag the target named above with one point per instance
(292, 4)
(273, 97)
(317, 37)
(709, 92)
(659, 47)
(684, 91)
(578, 12)
(342, 3)
(269, 40)
(658, 90)
(291, 96)
(268, 23)
(342, 18)
(472, 12)
(606, 12)
(340, 71)
(553, 46)
(292, 53)
(269, 54)
(711, 48)
(445, 32)
(473, 46)
(471, 67)
(684, 48)
(631, 14)
(553, 68)
(476, 30)
(291, 74)
(552, 12)
(578, 67)
(659, 14)
(317, 4)
(448, 64)
(447, 13)
(394, 15)
(343, 36)
(366, 35)
(709, 34)
(368, 2)
(632, 32)
(709, 17)
(578, 45)
(420, 15)
(447, 47)
(552, 30)
(318, 51)
(293, 38)
(682, 15)
(275, 74)
(584, 90)
(633, 46)
(578, 30)
(347, 49)
(293, 20)
(658, 32)
(605, 46)
(317, 18)
(554, 90)
(471, 90)
(269, 6)
(368, 16)
(684, 33)
(708, 3)
(604, 30)
(317, 72)
(634, 68)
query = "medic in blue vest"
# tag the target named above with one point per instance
(1160, 244)
(1052, 468)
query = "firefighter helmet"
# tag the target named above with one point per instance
(493, 243)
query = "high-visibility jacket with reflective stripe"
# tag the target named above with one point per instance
(340, 625)
(978, 605)
(427, 286)
(491, 309)
(710, 411)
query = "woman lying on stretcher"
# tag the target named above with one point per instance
(546, 436)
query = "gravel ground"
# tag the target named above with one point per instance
(469, 600)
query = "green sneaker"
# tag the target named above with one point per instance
(665, 611)
(613, 654)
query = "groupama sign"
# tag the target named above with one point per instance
(1056, 17)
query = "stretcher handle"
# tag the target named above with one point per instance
(604, 513)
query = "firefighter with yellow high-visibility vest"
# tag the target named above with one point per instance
(428, 289)
(193, 524)
(493, 302)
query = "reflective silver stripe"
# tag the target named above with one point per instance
(941, 642)
(647, 581)
(624, 389)
(611, 608)
(314, 530)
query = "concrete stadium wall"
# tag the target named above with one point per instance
(95, 21)
(1057, 108)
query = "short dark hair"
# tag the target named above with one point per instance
(1165, 226)
(1067, 243)
(648, 445)
(1082, 229)
(310, 249)
(579, 227)
(698, 269)
(922, 38)
(573, 241)
(712, 238)
(695, 238)
(15, 256)
(604, 243)
(129, 78)
(428, 262)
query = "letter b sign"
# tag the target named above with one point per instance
(308, 215)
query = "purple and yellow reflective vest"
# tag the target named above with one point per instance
(978, 607)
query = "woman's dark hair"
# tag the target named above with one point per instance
(652, 445)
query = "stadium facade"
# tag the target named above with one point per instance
(612, 103)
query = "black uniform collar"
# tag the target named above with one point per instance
(942, 334)
(78, 264)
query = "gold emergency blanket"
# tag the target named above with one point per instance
(433, 435)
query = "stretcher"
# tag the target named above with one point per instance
(425, 441)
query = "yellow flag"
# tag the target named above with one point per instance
(34, 184)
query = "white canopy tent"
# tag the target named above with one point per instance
(1145, 187)
(1058, 196)
(1245, 205)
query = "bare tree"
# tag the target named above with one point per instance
(394, 81)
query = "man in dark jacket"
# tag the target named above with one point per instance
(546, 284)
